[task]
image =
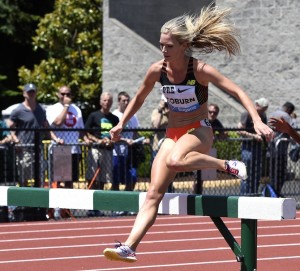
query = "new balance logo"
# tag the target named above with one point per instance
(191, 82)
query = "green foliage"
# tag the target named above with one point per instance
(71, 37)
(16, 21)
(144, 169)
(229, 148)
(146, 134)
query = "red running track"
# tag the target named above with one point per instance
(174, 243)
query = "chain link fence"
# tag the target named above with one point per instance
(126, 166)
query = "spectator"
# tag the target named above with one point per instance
(252, 149)
(279, 147)
(5, 136)
(6, 163)
(66, 115)
(100, 155)
(294, 120)
(28, 115)
(281, 125)
(216, 124)
(159, 120)
(124, 171)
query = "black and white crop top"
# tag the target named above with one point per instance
(187, 96)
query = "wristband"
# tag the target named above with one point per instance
(66, 105)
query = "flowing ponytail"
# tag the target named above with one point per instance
(207, 32)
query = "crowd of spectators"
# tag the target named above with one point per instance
(113, 163)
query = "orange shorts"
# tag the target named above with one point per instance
(178, 132)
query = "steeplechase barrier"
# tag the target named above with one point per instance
(248, 209)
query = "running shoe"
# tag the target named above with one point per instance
(120, 253)
(236, 168)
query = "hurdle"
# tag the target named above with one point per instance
(248, 209)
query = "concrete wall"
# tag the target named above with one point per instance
(267, 67)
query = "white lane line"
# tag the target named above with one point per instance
(145, 253)
(130, 226)
(185, 264)
(237, 237)
(145, 242)
(126, 234)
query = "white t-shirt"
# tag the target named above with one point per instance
(73, 120)
(131, 124)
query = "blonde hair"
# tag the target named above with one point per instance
(206, 32)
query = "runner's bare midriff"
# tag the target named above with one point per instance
(178, 119)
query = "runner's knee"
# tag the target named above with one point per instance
(174, 162)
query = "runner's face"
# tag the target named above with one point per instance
(170, 47)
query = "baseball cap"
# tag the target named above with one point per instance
(29, 87)
(262, 102)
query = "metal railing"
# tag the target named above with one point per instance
(267, 163)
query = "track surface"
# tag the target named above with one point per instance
(174, 243)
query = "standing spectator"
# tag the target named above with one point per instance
(5, 136)
(6, 169)
(279, 147)
(213, 112)
(66, 115)
(294, 120)
(28, 115)
(281, 125)
(252, 149)
(124, 169)
(159, 120)
(100, 154)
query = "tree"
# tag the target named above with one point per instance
(18, 22)
(71, 36)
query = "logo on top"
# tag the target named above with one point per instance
(191, 82)
(70, 120)
(183, 90)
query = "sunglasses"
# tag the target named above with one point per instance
(213, 112)
(65, 94)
